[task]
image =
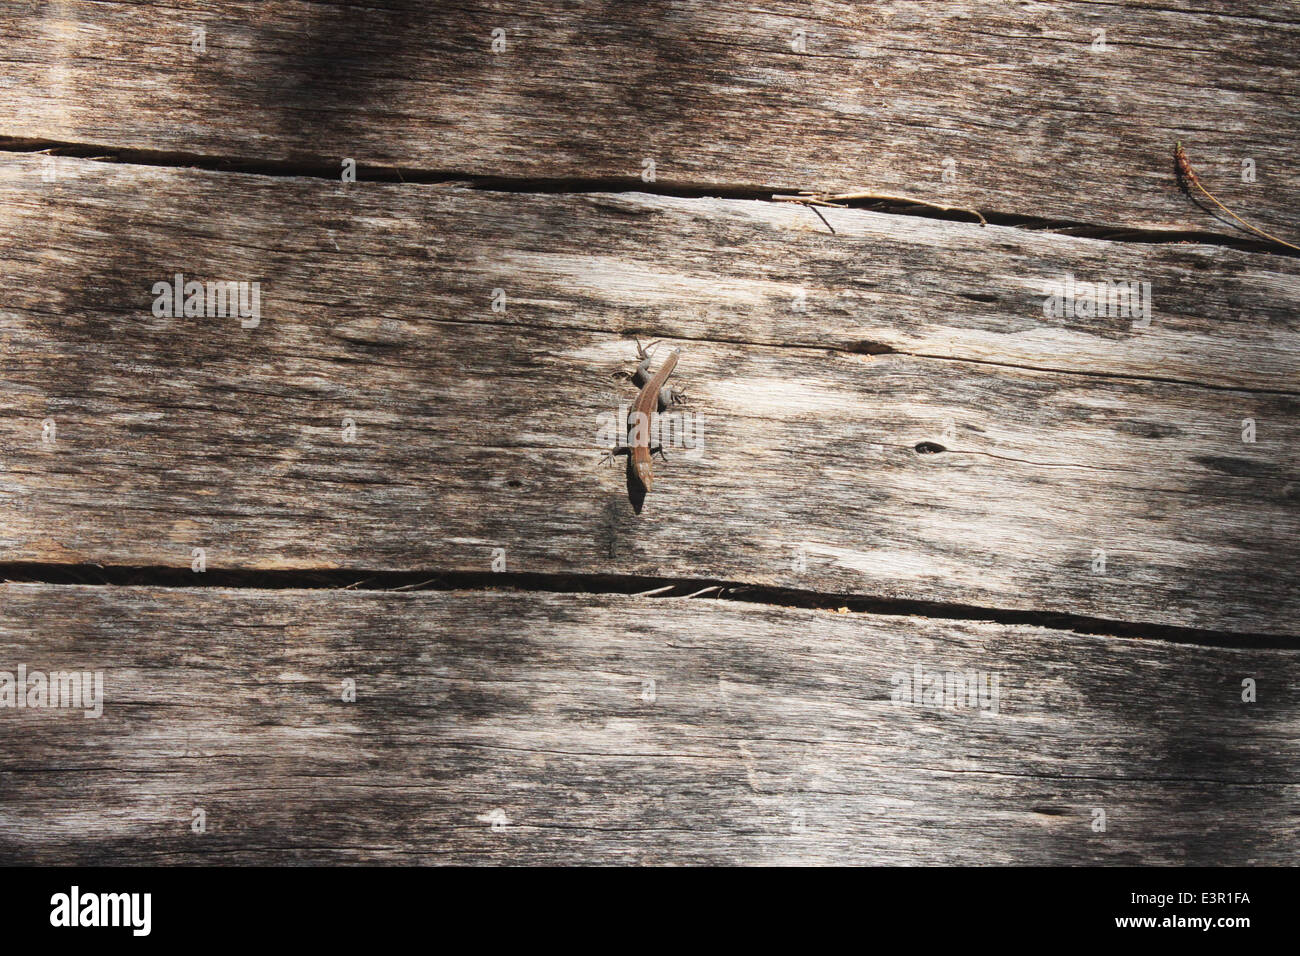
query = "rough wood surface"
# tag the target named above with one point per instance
(81, 236)
(769, 735)
(885, 412)
(478, 430)
(1036, 119)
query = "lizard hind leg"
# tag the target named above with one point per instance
(608, 457)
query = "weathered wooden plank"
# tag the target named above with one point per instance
(1020, 102)
(478, 430)
(766, 735)
(379, 257)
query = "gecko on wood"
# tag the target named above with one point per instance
(655, 395)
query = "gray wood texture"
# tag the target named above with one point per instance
(886, 419)
(479, 430)
(1035, 117)
(769, 735)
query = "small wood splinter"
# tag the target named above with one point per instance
(1188, 177)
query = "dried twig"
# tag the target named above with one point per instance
(1190, 178)
(412, 587)
(711, 587)
(666, 587)
(821, 217)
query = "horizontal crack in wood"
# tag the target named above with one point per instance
(686, 190)
(631, 585)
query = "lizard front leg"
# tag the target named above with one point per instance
(669, 396)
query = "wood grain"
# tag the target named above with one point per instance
(81, 235)
(1035, 120)
(479, 430)
(769, 735)
(885, 412)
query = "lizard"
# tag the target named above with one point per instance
(655, 395)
